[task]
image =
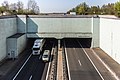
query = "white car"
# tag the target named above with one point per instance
(46, 55)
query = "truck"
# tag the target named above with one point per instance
(38, 46)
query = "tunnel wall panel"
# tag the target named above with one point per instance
(59, 25)
(110, 37)
(8, 27)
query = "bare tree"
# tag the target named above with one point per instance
(13, 6)
(32, 6)
(20, 5)
(37, 10)
(5, 5)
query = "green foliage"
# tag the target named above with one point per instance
(117, 8)
(2, 9)
(107, 9)
(95, 10)
(17, 8)
(82, 9)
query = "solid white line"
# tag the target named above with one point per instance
(79, 62)
(30, 77)
(40, 57)
(112, 72)
(91, 62)
(22, 67)
(67, 62)
(49, 65)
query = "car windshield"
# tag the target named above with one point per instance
(45, 56)
(36, 49)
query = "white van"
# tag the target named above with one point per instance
(46, 55)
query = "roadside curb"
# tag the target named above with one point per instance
(49, 67)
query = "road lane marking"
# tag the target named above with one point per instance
(79, 62)
(30, 77)
(91, 62)
(22, 67)
(40, 57)
(49, 64)
(67, 62)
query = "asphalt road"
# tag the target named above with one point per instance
(79, 65)
(33, 67)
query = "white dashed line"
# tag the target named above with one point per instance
(40, 57)
(30, 77)
(79, 62)
(91, 62)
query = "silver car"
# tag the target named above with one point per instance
(46, 55)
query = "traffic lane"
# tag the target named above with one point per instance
(83, 71)
(99, 64)
(29, 68)
(80, 66)
(17, 65)
(40, 73)
(38, 66)
(87, 66)
(103, 70)
(45, 72)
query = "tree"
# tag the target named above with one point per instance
(111, 9)
(72, 10)
(2, 9)
(5, 5)
(82, 8)
(20, 7)
(117, 8)
(32, 7)
(108, 9)
(95, 10)
(36, 10)
(13, 8)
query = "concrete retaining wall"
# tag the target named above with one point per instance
(8, 27)
(21, 23)
(59, 25)
(95, 32)
(110, 37)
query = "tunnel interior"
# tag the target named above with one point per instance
(77, 42)
(85, 42)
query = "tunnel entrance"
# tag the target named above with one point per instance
(85, 42)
